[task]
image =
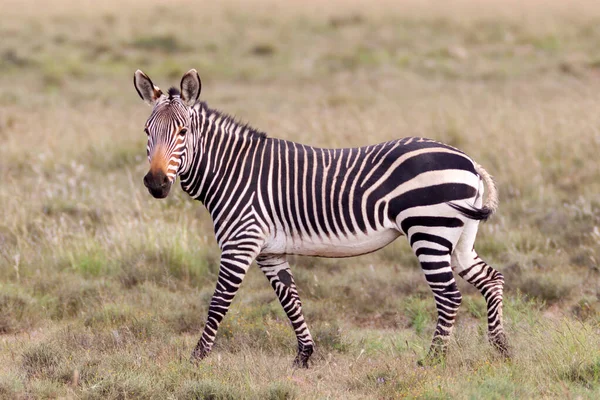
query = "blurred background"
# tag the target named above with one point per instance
(104, 290)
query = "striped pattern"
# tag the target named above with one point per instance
(269, 198)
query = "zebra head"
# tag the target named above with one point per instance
(167, 128)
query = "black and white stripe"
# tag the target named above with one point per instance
(269, 198)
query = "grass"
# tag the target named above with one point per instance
(104, 290)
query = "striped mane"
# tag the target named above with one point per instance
(246, 128)
(173, 91)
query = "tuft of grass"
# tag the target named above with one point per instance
(346, 20)
(111, 315)
(280, 391)
(190, 319)
(586, 309)
(549, 43)
(89, 262)
(496, 387)
(169, 262)
(587, 375)
(11, 386)
(79, 213)
(107, 159)
(263, 50)
(42, 360)
(548, 289)
(475, 306)
(328, 337)
(257, 327)
(420, 314)
(165, 43)
(123, 387)
(46, 389)
(206, 389)
(74, 298)
(17, 311)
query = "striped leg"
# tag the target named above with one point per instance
(490, 283)
(436, 266)
(233, 267)
(277, 271)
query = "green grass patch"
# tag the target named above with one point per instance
(587, 375)
(421, 314)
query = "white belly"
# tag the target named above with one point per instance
(330, 247)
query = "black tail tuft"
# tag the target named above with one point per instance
(479, 214)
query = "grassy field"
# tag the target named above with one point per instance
(104, 290)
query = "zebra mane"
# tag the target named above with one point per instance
(173, 91)
(250, 131)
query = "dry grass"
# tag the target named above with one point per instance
(104, 290)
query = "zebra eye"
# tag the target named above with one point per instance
(146, 130)
(183, 131)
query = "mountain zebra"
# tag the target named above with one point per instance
(269, 198)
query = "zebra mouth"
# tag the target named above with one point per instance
(161, 192)
(158, 184)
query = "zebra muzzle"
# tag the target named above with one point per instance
(158, 184)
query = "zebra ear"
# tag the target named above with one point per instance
(145, 88)
(190, 87)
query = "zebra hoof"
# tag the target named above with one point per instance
(301, 360)
(436, 355)
(198, 355)
(500, 343)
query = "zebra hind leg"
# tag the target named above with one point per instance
(438, 273)
(277, 270)
(490, 283)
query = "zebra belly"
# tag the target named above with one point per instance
(344, 246)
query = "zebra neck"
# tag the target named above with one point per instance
(221, 156)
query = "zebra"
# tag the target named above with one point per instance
(269, 198)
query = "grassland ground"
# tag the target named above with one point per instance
(104, 290)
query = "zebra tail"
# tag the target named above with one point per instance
(491, 204)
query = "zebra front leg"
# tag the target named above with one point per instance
(233, 267)
(436, 266)
(277, 271)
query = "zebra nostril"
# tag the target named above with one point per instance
(165, 182)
